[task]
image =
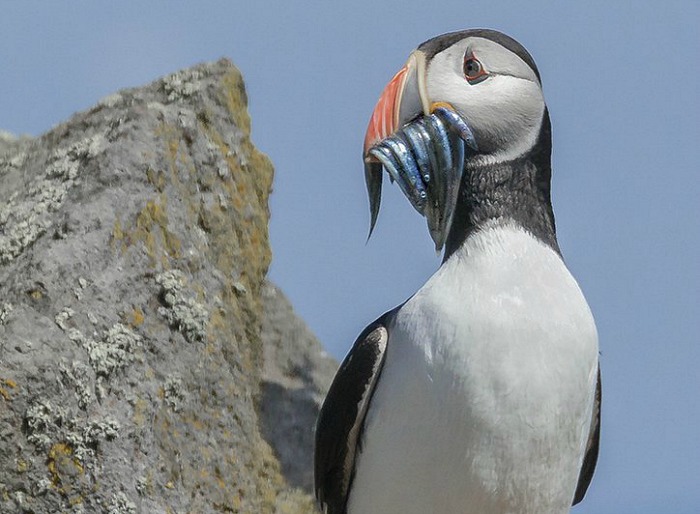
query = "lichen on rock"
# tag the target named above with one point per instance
(115, 350)
(121, 504)
(182, 311)
(5, 310)
(80, 377)
(173, 393)
(43, 420)
(25, 217)
(133, 254)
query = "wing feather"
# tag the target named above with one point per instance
(341, 420)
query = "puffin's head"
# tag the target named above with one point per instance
(486, 77)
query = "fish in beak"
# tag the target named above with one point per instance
(422, 146)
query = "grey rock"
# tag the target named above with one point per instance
(296, 375)
(135, 373)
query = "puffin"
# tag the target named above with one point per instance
(481, 393)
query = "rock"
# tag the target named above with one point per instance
(134, 375)
(296, 375)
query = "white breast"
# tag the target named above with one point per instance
(485, 399)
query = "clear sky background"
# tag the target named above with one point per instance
(621, 81)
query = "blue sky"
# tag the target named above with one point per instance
(622, 85)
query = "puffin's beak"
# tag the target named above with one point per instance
(403, 98)
(421, 144)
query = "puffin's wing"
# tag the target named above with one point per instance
(589, 461)
(340, 422)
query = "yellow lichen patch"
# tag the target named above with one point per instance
(138, 317)
(151, 229)
(156, 179)
(261, 162)
(147, 484)
(217, 321)
(172, 244)
(229, 203)
(65, 471)
(268, 480)
(173, 147)
(140, 410)
(61, 457)
(10, 384)
(235, 98)
(219, 478)
(249, 184)
(171, 136)
(197, 424)
(294, 502)
(224, 149)
(22, 465)
(134, 318)
(117, 236)
(200, 292)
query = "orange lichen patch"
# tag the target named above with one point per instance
(135, 318)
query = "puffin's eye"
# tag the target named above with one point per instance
(473, 69)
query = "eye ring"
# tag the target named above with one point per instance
(473, 70)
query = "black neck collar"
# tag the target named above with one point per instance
(516, 191)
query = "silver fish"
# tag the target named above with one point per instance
(426, 159)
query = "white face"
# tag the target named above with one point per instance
(499, 95)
